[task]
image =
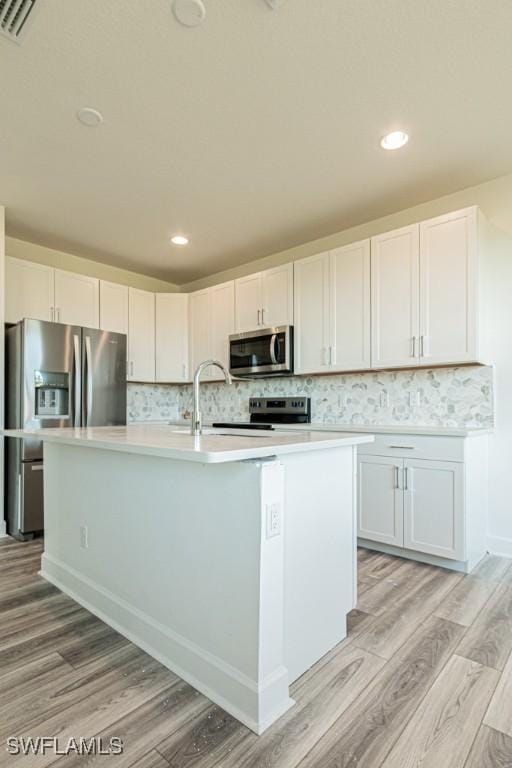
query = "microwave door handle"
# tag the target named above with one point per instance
(78, 380)
(273, 344)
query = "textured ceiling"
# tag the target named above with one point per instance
(255, 132)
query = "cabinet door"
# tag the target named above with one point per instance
(448, 288)
(222, 323)
(171, 336)
(28, 290)
(395, 298)
(248, 302)
(380, 500)
(77, 299)
(141, 335)
(113, 307)
(311, 298)
(277, 296)
(200, 331)
(350, 306)
(434, 508)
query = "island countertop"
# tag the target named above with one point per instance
(213, 446)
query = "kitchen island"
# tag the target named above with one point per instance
(230, 557)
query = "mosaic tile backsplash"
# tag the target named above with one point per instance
(447, 397)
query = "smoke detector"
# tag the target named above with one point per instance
(14, 15)
(190, 13)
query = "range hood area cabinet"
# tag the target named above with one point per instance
(265, 299)
(422, 291)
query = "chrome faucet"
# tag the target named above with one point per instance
(196, 413)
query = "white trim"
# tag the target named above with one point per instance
(499, 546)
(462, 566)
(240, 695)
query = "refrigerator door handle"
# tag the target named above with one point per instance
(78, 380)
(88, 383)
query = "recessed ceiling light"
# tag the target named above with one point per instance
(179, 240)
(89, 117)
(394, 140)
(190, 13)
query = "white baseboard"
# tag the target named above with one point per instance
(239, 695)
(499, 546)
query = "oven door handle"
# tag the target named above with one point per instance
(273, 345)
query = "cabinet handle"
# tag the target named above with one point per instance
(413, 354)
(406, 479)
(263, 316)
(397, 482)
(184, 371)
(422, 346)
(58, 314)
(403, 447)
(52, 314)
(259, 313)
(330, 355)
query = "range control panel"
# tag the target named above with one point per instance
(280, 409)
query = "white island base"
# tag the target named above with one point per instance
(237, 576)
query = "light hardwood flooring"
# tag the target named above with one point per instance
(424, 679)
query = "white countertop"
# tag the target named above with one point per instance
(377, 429)
(213, 446)
(395, 429)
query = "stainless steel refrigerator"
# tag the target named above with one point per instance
(56, 376)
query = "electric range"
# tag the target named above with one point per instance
(267, 411)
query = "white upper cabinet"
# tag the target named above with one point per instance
(395, 298)
(171, 337)
(350, 307)
(77, 299)
(212, 319)
(277, 296)
(29, 290)
(222, 323)
(113, 307)
(200, 331)
(248, 302)
(264, 299)
(312, 318)
(448, 288)
(332, 310)
(141, 335)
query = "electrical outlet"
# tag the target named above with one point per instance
(84, 537)
(273, 519)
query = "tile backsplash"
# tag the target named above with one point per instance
(448, 397)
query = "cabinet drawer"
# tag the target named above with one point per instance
(415, 447)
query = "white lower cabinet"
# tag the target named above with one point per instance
(425, 495)
(433, 494)
(380, 500)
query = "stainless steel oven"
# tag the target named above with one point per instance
(265, 352)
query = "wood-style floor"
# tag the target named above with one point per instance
(424, 679)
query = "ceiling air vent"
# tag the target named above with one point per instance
(14, 15)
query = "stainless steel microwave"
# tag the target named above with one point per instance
(265, 352)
